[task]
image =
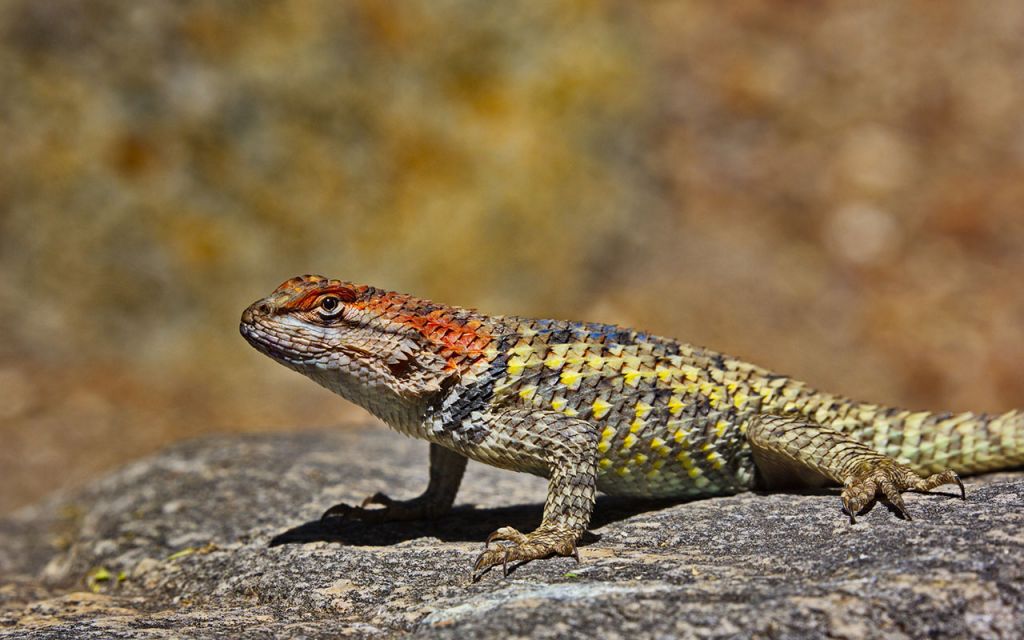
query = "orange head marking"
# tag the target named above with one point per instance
(311, 299)
(304, 293)
(456, 340)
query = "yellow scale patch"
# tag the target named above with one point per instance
(570, 378)
(713, 393)
(631, 376)
(522, 350)
(515, 366)
(642, 409)
(560, 349)
(691, 470)
(715, 459)
(554, 362)
(739, 400)
(675, 405)
(600, 408)
(680, 436)
(658, 446)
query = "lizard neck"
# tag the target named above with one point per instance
(403, 413)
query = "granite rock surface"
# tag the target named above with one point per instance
(220, 537)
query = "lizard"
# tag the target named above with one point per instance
(597, 407)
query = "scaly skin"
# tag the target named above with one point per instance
(596, 407)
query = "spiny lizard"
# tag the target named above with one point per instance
(597, 407)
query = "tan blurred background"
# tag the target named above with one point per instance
(835, 190)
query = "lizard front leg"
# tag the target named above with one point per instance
(446, 469)
(552, 444)
(787, 448)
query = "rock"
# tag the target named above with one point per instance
(220, 537)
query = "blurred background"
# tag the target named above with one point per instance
(834, 190)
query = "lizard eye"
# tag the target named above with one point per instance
(330, 306)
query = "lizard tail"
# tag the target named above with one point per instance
(965, 442)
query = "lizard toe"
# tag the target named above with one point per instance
(509, 534)
(889, 479)
(514, 546)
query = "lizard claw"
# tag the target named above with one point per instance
(493, 557)
(523, 547)
(890, 479)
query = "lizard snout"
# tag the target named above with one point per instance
(255, 310)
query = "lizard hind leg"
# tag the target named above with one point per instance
(803, 448)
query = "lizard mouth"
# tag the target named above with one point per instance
(267, 343)
(281, 348)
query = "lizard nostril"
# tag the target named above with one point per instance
(255, 310)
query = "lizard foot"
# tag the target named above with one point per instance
(523, 547)
(393, 510)
(889, 479)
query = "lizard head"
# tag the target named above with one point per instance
(376, 348)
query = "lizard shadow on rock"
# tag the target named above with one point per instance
(468, 523)
(465, 523)
(835, 491)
